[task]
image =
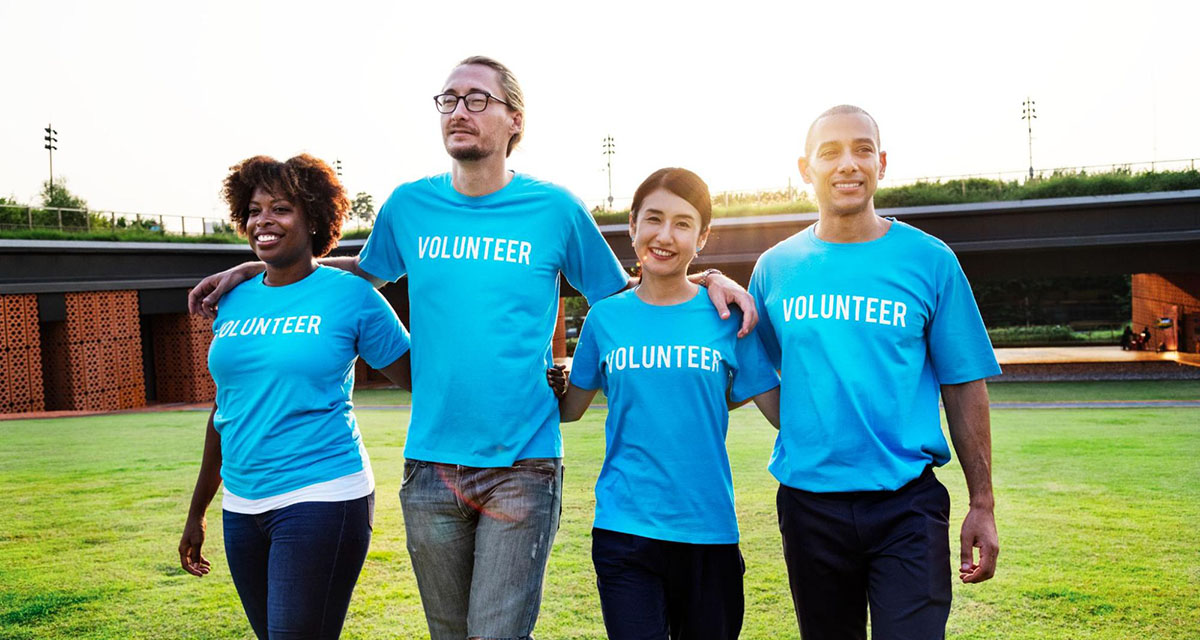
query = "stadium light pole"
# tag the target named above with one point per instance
(1029, 114)
(51, 138)
(609, 149)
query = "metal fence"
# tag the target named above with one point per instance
(64, 219)
(15, 217)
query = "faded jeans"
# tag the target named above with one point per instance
(479, 539)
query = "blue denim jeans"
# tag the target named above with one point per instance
(479, 539)
(295, 567)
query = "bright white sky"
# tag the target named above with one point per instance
(153, 101)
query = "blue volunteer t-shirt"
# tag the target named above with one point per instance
(864, 334)
(666, 371)
(283, 360)
(483, 280)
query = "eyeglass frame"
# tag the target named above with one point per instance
(487, 102)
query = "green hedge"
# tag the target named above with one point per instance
(1055, 185)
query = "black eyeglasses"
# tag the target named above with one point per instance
(476, 101)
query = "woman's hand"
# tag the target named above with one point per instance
(190, 544)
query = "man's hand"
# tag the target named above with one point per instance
(203, 298)
(979, 532)
(724, 291)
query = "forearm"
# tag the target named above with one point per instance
(350, 263)
(209, 479)
(400, 372)
(768, 403)
(969, 421)
(574, 402)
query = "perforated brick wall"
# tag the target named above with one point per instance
(181, 344)
(20, 355)
(93, 360)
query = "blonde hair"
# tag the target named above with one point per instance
(512, 92)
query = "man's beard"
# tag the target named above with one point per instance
(467, 154)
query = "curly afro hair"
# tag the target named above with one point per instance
(305, 181)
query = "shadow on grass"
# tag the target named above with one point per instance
(37, 609)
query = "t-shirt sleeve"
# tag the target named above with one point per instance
(380, 255)
(589, 264)
(755, 373)
(382, 339)
(765, 330)
(585, 366)
(959, 347)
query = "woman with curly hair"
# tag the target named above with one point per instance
(299, 492)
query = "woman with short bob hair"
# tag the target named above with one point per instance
(299, 492)
(665, 535)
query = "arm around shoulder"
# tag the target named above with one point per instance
(204, 297)
(351, 264)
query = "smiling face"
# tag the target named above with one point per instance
(278, 230)
(472, 136)
(667, 232)
(844, 163)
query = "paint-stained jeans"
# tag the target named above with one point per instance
(479, 539)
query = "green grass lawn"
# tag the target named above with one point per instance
(999, 391)
(1097, 512)
(1107, 391)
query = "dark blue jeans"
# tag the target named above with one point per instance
(295, 567)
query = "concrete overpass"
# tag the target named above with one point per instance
(103, 325)
(1094, 235)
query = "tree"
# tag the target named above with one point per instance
(363, 207)
(56, 195)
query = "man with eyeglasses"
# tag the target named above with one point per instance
(483, 248)
(869, 320)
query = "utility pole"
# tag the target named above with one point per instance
(609, 149)
(51, 138)
(1029, 114)
(337, 166)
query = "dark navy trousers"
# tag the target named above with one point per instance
(886, 550)
(656, 589)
